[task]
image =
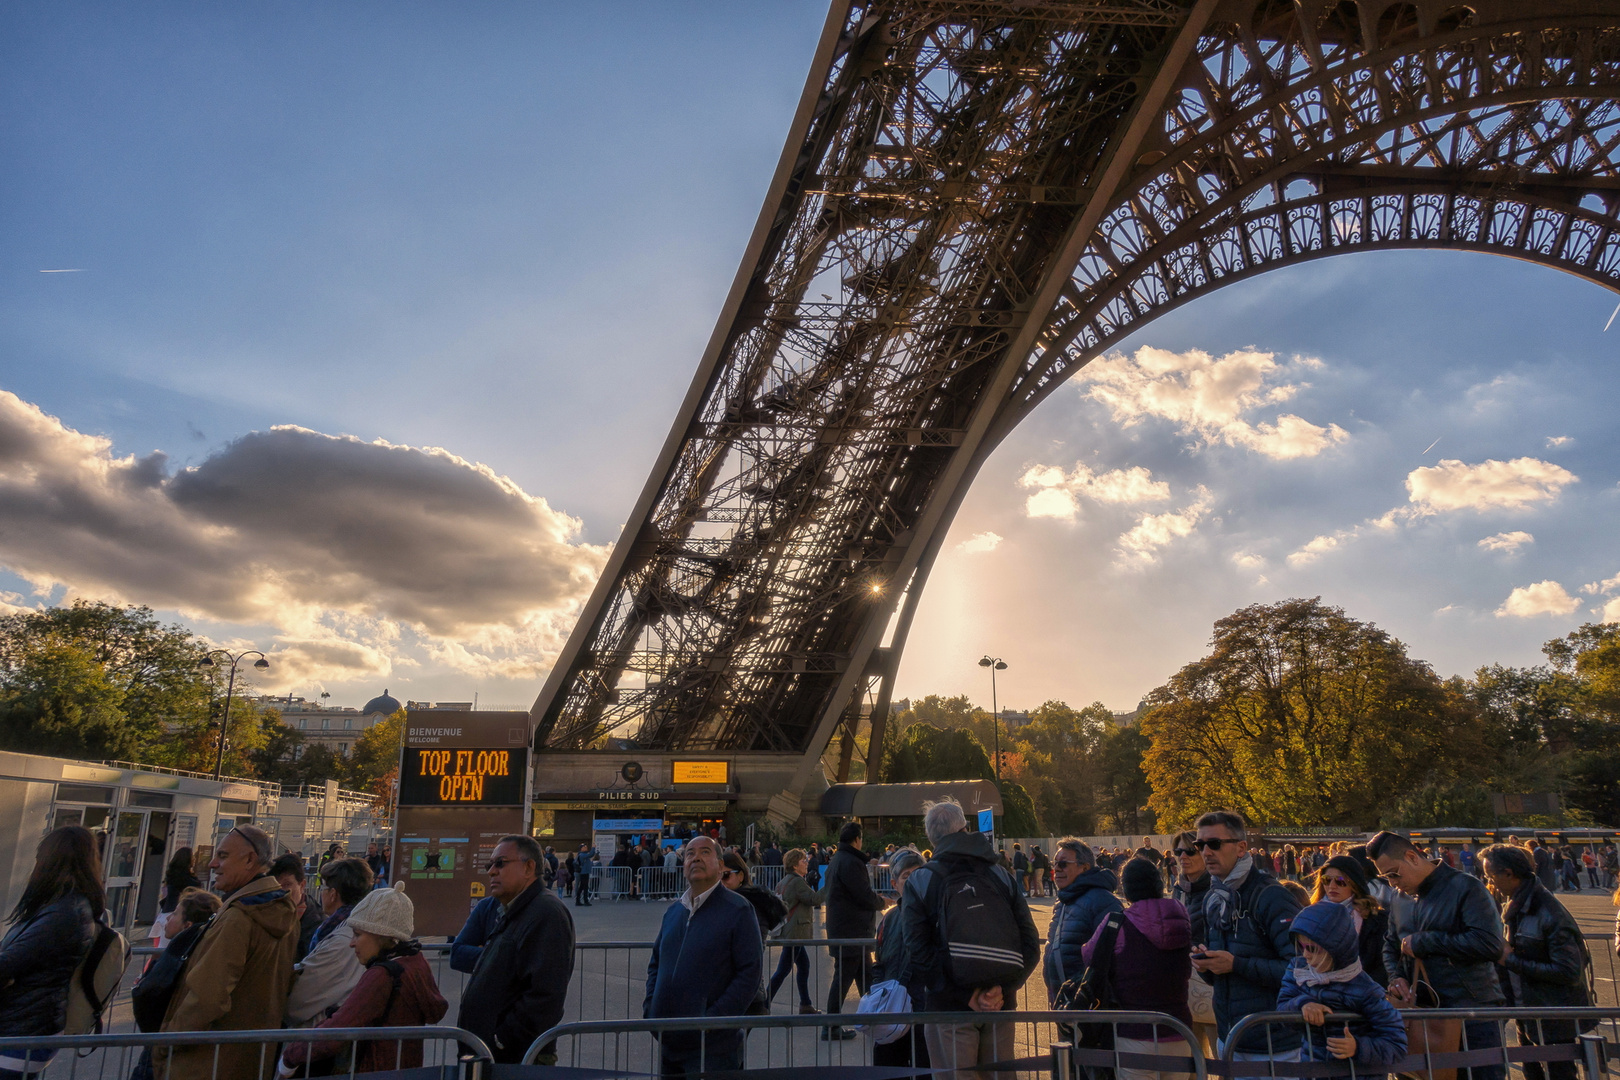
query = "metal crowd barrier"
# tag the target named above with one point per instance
(1026, 1042)
(1542, 1036)
(656, 883)
(448, 1053)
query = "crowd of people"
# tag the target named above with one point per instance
(1207, 931)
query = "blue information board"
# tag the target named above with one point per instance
(651, 825)
(987, 821)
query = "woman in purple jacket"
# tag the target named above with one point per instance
(1152, 963)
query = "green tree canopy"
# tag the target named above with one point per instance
(1302, 716)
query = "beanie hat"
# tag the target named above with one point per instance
(1351, 869)
(1140, 880)
(387, 913)
(907, 858)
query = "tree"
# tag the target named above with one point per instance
(926, 752)
(56, 699)
(374, 761)
(152, 667)
(1125, 794)
(1302, 716)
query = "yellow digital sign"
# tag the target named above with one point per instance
(701, 772)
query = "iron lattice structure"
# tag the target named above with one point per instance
(976, 198)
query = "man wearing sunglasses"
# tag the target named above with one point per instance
(520, 984)
(1248, 918)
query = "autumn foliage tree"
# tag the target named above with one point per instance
(1303, 716)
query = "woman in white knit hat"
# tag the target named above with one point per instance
(397, 990)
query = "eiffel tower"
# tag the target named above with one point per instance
(976, 198)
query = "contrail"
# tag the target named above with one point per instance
(80, 270)
(1611, 319)
(1431, 446)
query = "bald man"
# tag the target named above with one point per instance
(707, 961)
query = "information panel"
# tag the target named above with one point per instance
(463, 780)
(700, 772)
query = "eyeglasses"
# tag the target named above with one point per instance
(496, 864)
(1186, 852)
(729, 873)
(1335, 880)
(1213, 843)
(1310, 946)
(1063, 864)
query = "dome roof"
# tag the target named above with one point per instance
(384, 704)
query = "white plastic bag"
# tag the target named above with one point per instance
(887, 996)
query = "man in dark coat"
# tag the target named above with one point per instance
(708, 960)
(520, 983)
(852, 907)
(1455, 930)
(1085, 897)
(957, 851)
(1545, 955)
(1248, 944)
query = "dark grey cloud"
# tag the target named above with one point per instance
(327, 538)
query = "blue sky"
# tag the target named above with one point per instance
(495, 239)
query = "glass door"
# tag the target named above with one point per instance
(126, 850)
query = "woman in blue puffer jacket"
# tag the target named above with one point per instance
(1326, 977)
(52, 929)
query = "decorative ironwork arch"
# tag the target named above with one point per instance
(976, 198)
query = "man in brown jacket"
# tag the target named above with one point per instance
(239, 973)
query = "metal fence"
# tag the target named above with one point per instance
(1477, 1042)
(447, 1053)
(1024, 1042)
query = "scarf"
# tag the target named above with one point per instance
(1223, 892)
(1355, 913)
(1306, 975)
(333, 921)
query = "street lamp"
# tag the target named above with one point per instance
(230, 690)
(995, 664)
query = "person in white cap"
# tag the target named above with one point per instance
(397, 990)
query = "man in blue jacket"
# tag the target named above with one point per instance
(1247, 921)
(708, 960)
(1085, 897)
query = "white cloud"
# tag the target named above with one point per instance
(1208, 396)
(346, 549)
(1314, 550)
(1248, 560)
(1611, 610)
(1555, 441)
(1059, 492)
(1509, 542)
(1154, 531)
(979, 543)
(1608, 585)
(1490, 485)
(1542, 598)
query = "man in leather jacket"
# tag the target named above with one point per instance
(1455, 931)
(1545, 957)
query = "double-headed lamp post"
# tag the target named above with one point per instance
(995, 664)
(230, 691)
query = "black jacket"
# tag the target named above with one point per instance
(892, 962)
(519, 986)
(37, 959)
(925, 951)
(1256, 930)
(1548, 966)
(1456, 932)
(768, 908)
(1191, 897)
(852, 905)
(1370, 943)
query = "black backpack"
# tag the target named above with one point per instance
(982, 945)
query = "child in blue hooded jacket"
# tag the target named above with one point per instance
(1326, 977)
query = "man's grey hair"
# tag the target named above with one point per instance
(1229, 820)
(942, 818)
(1082, 851)
(258, 840)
